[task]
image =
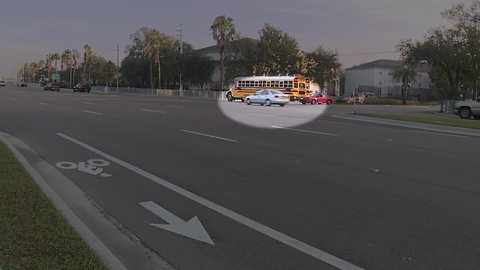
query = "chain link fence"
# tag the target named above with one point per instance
(161, 92)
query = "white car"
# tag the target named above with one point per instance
(268, 97)
(2, 83)
(467, 109)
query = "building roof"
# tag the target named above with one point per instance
(216, 49)
(381, 63)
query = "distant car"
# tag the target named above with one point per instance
(467, 109)
(268, 97)
(22, 84)
(316, 98)
(52, 86)
(81, 87)
(356, 99)
(341, 99)
(3, 83)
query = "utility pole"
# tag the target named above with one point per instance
(180, 37)
(118, 63)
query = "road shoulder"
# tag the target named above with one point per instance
(116, 246)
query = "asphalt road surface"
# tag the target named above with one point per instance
(329, 194)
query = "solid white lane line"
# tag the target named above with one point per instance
(335, 122)
(281, 237)
(308, 131)
(88, 103)
(439, 133)
(90, 112)
(154, 111)
(41, 103)
(209, 136)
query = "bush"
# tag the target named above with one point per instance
(382, 101)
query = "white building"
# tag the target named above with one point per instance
(377, 77)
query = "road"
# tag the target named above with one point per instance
(328, 194)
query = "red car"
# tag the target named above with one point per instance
(317, 98)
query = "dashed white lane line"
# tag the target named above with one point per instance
(90, 112)
(209, 136)
(88, 103)
(153, 111)
(307, 131)
(42, 103)
(262, 114)
(252, 224)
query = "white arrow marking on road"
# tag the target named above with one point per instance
(279, 236)
(191, 229)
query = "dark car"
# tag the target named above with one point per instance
(341, 99)
(81, 87)
(22, 84)
(52, 86)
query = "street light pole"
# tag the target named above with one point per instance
(118, 64)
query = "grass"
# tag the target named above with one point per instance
(435, 120)
(396, 101)
(33, 234)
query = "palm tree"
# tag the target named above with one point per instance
(87, 62)
(407, 74)
(223, 32)
(75, 58)
(55, 57)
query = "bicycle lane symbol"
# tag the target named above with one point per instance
(91, 166)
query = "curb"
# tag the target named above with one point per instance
(121, 241)
(414, 125)
(93, 242)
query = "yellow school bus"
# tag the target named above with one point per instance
(296, 86)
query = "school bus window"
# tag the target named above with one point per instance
(269, 84)
(295, 85)
(301, 85)
(275, 84)
(256, 84)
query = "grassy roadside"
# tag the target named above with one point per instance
(435, 120)
(33, 234)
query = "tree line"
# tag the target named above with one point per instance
(452, 52)
(156, 60)
(72, 67)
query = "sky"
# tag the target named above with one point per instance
(359, 30)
